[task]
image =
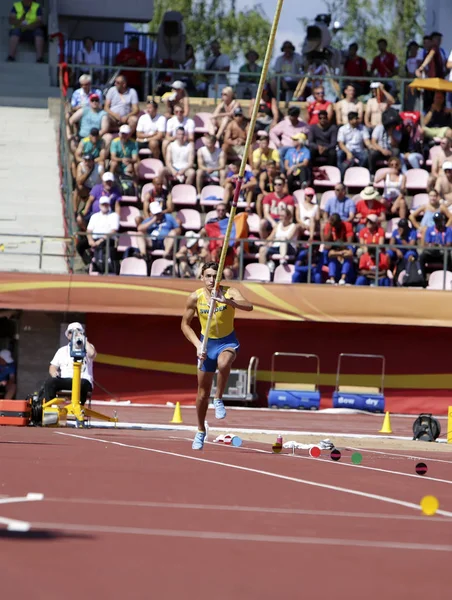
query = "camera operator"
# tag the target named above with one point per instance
(62, 368)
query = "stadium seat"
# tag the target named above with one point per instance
(436, 281)
(325, 197)
(211, 195)
(127, 240)
(184, 194)
(419, 200)
(326, 177)
(253, 223)
(126, 200)
(190, 219)
(357, 177)
(149, 168)
(400, 278)
(283, 274)
(147, 187)
(257, 272)
(144, 153)
(159, 265)
(127, 217)
(391, 227)
(133, 266)
(201, 120)
(416, 179)
(434, 151)
(381, 184)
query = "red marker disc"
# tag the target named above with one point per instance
(314, 452)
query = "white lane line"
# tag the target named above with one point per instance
(429, 459)
(326, 486)
(14, 524)
(246, 509)
(243, 537)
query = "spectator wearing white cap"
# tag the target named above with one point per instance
(444, 183)
(180, 159)
(375, 107)
(173, 124)
(100, 232)
(7, 375)
(151, 129)
(106, 189)
(177, 96)
(191, 256)
(160, 230)
(61, 369)
(124, 153)
(121, 104)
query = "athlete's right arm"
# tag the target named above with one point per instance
(190, 311)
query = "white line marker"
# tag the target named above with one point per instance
(386, 499)
(14, 524)
(448, 462)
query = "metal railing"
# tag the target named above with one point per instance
(247, 250)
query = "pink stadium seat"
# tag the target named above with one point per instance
(127, 240)
(283, 274)
(391, 227)
(159, 265)
(326, 177)
(416, 179)
(400, 278)
(325, 197)
(127, 217)
(253, 222)
(190, 219)
(133, 266)
(201, 121)
(184, 194)
(434, 151)
(144, 153)
(149, 168)
(257, 272)
(211, 195)
(381, 184)
(147, 187)
(357, 177)
(128, 200)
(419, 200)
(436, 281)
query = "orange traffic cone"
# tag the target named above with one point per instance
(177, 416)
(386, 424)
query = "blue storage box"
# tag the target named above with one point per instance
(301, 399)
(369, 402)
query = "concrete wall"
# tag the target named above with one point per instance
(130, 11)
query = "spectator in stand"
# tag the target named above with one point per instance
(338, 257)
(308, 214)
(158, 193)
(411, 145)
(89, 57)
(347, 105)
(133, 57)
(412, 62)
(106, 189)
(180, 159)
(356, 66)
(319, 104)
(159, 231)
(434, 63)
(173, 124)
(406, 236)
(444, 183)
(95, 146)
(369, 274)
(81, 96)
(343, 206)
(288, 65)
(427, 211)
(102, 224)
(266, 183)
(248, 185)
(89, 118)
(449, 68)
(385, 143)
(176, 97)
(246, 71)
(273, 205)
(235, 135)
(88, 175)
(354, 143)
(385, 64)
(189, 65)
(280, 241)
(323, 141)
(375, 106)
(373, 232)
(26, 23)
(124, 154)
(297, 163)
(151, 129)
(437, 40)
(263, 153)
(394, 190)
(442, 156)
(217, 62)
(121, 104)
(215, 228)
(211, 164)
(191, 256)
(369, 204)
(437, 238)
(281, 134)
(269, 114)
(7, 375)
(438, 119)
(223, 113)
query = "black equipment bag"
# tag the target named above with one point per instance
(426, 428)
(413, 275)
(390, 117)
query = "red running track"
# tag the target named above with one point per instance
(139, 515)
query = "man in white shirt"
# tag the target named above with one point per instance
(211, 164)
(151, 129)
(100, 225)
(121, 104)
(180, 158)
(173, 124)
(217, 62)
(61, 368)
(87, 55)
(354, 143)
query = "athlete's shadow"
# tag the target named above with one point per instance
(41, 535)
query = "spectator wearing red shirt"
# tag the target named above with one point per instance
(356, 66)
(274, 205)
(373, 233)
(319, 104)
(132, 57)
(368, 204)
(338, 257)
(384, 64)
(368, 272)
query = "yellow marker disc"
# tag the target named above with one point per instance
(277, 448)
(429, 505)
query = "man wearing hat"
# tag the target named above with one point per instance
(124, 153)
(250, 67)
(177, 96)
(191, 257)
(437, 238)
(372, 233)
(444, 183)
(101, 223)
(89, 117)
(158, 231)
(61, 368)
(106, 188)
(7, 375)
(369, 204)
(264, 153)
(297, 163)
(92, 144)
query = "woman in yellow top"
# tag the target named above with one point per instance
(222, 345)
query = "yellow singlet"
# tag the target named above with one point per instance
(223, 317)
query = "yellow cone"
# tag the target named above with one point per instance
(177, 416)
(386, 424)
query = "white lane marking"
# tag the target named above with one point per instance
(244, 537)
(430, 459)
(245, 509)
(14, 524)
(260, 472)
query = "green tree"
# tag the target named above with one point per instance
(218, 19)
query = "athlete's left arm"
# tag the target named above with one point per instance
(236, 300)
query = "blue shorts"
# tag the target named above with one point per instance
(28, 35)
(215, 348)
